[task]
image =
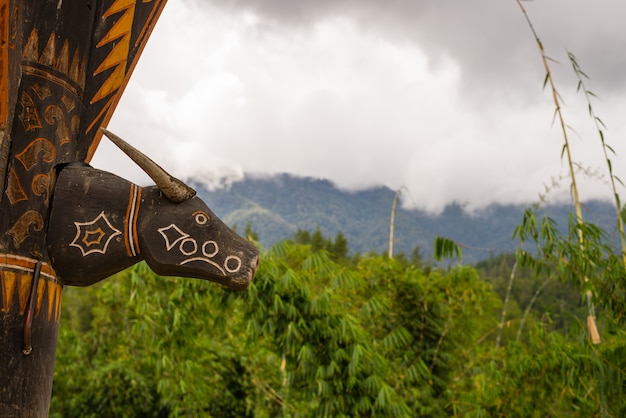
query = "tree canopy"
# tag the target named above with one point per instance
(318, 334)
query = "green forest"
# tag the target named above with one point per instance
(321, 333)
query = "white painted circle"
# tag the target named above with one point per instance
(194, 246)
(230, 258)
(216, 249)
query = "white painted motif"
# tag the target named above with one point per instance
(172, 235)
(133, 205)
(94, 236)
(188, 246)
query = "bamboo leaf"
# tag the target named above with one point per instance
(397, 339)
(447, 248)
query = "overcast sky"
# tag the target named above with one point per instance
(443, 97)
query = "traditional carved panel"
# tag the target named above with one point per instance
(16, 278)
(123, 30)
(56, 116)
(29, 157)
(130, 221)
(10, 52)
(41, 184)
(94, 236)
(4, 60)
(28, 115)
(29, 221)
(14, 189)
(63, 67)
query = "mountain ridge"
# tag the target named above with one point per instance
(277, 206)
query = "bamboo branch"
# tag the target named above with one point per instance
(593, 332)
(504, 305)
(599, 124)
(527, 311)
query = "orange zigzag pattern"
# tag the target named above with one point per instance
(118, 56)
(16, 274)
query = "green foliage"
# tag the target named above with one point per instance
(326, 355)
(546, 377)
(584, 257)
(137, 358)
(311, 337)
(337, 249)
(557, 302)
(447, 248)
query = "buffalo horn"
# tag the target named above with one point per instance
(172, 188)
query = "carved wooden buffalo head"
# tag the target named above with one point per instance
(102, 224)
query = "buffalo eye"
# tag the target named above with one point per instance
(201, 217)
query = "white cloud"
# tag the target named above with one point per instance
(231, 91)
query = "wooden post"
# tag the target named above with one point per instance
(63, 68)
(26, 378)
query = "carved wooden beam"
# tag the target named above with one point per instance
(63, 68)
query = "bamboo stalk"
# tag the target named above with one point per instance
(592, 328)
(504, 305)
(392, 220)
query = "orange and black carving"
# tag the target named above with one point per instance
(64, 67)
